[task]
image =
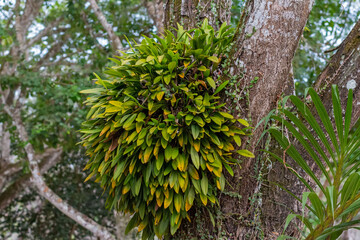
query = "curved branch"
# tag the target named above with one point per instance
(43, 190)
(49, 158)
(115, 40)
(42, 33)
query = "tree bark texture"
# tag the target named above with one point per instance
(344, 71)
(275, 28)
(264, 49)
(189, 13)
(252, 207)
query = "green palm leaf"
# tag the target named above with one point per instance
(330, 143)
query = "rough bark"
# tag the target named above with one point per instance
(344, 71)
(265, 48)
(189, 13)
(155, 9)
(275, 28)
(115, 40)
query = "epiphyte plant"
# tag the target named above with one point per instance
(157, 135)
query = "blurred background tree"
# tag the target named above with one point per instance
(328, 24)
(48, 52)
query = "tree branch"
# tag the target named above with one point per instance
(42, 33)
(52, 52)
(24, 21)
(43, 190)
(49, 158)
(156, 11)
(115, 40)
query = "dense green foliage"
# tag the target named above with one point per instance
(157, 136)
(338, 162)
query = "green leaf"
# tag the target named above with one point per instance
(97, 130)
(177, 202)
(237, 140)
(202, 68)
(214, 59)
(100, 80)
(191, 195)
(132, 223)
(348, 114)
(93, 90)
(195, 157)
(129, 121)
(338, 114)
(137, 187)
(171, 67)
(216, 119)
(211, 82)
(140, 62)
(159, 161)
(140, 117)
(324, 118)
(119, 169)
(204, 185)
(243, 122)
(167, 79)
(195, 130)
(221, 87)
(168, 153)
(226, 115)
(318, 205)
(199, 121)
(246, 153)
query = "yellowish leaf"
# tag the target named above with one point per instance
(90, 175)
(160, 95)
(197, 145)
(173, 100)
(160, 200)
(157, 217)
(107, 127)
(167, 202)
(187, 206)
(211, 168)
(177, 202)
(217, 172)
(125, 189)
(131, 167)
(166, 193)
(203, 199)
(141, 226)
(218, 185)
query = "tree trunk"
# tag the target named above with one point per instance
(264, 49)
(343, 70)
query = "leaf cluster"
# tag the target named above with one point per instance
(157, 134)
(335, 149)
